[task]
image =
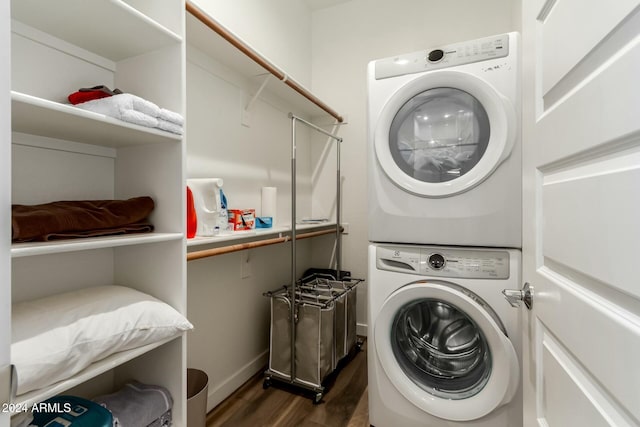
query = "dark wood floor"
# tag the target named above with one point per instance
(344, 404)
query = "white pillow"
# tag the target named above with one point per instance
(56, 337)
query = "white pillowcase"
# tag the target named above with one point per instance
(56, 337)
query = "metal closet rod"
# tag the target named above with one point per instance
(257, 58)
(192, 256)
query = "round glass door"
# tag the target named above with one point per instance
(441, 349)
(445, 350)
(439, 135)
(443, 133)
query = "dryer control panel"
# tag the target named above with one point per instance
(446, 56)
(437, 261)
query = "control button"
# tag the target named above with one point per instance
(436, 261)
(435, 55)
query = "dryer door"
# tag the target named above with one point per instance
(444, 133)
(445, 350)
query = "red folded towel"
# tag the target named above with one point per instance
(83, 96)
(86, 218)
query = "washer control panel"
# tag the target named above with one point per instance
(437, 261)
(446, 56)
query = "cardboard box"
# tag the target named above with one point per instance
(242, 219)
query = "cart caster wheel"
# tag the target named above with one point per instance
(266, 383)
(317, 398)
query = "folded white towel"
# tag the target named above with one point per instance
(169, 126)
(133, 109)
(113, 106)
(138, 118)
(140, 104)
(171, 116)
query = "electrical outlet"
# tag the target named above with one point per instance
(245, 264)
(345, 227)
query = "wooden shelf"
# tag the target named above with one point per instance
(206, 40)
(109, 28)
(95, 369)
(235, 236)
(72, 245)
(37, 116)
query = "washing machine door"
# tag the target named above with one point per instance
(443, 133)
(445, 350)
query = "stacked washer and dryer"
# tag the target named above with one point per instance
(445, 231)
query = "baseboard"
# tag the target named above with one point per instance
(231, 384)
(226, 388)
(361, 329)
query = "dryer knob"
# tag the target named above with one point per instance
(435, 55)
(436, 261)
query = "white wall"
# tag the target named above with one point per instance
(278, 29)
(345, 38)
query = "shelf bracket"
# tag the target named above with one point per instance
(246, 112)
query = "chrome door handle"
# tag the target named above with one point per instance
(515, 296)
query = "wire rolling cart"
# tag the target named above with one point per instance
(313, 319)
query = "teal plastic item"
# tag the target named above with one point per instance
(264, 222)
(70, 411)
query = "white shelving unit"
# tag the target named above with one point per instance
(38, 116)
(60, 152)
(98, 368)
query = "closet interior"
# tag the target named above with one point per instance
(160, 52)
(239, 107)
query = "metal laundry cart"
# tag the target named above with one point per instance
(312, 319)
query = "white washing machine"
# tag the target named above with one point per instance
(444, 145)
(443, 343)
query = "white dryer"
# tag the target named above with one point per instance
(444, 145)
(443, 344)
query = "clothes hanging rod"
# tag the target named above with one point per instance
(192, 256)
(257, 58)
(317, 128)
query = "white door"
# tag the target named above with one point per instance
(581, 242)
(5, 202)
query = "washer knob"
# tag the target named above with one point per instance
(435, 55)
(436, 261)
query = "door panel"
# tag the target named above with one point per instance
(582, 120)
(596, 222)
(563, 47)
(581, 234)
(603, 337)
(572, 397)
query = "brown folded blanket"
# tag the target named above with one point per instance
(85, 218)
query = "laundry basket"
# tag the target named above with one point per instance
(314, 347)
(325, 326)
(345, 297)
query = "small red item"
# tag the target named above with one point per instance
(84, 96)
(192, 218)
